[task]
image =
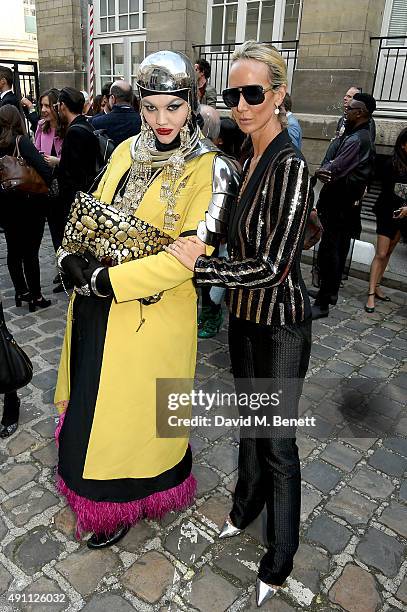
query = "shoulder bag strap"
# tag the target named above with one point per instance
(17, 148)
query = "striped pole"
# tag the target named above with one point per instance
(91, 76)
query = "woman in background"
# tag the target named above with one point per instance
(391, 217)
(48, 140)
(22, 214)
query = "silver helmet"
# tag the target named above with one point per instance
(168, 72)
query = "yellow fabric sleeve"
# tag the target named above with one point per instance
(156, 273)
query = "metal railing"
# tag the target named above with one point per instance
(220, 57)
(390, 76)
(25, 77)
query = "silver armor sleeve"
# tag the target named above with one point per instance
(225, 185)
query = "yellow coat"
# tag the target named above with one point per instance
(123, 442)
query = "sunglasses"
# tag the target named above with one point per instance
(253, 94)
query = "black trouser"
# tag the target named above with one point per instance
(24, 229)
(56, 218)
(269, 467)
(11, 411)
(332, 253)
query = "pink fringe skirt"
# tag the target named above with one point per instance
(107, 517)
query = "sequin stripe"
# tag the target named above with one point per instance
(292, 297)
(284, 246)
(260, 304)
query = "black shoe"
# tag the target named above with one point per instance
(314, 293)
(103, 541)
(40, 302)
(22, 297)
(318, 312)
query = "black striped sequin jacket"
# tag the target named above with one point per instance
(262, 272)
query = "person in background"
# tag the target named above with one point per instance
(347, 99)
(11, 410)
(293, 125)
(79, 153)
(123, 121)
(48, 141)
(210, 317)
(30, 112)
(391, 217)
(206, 93)
(7, 96)
(230, 139)
(87, 107)
(22, 215)
(345, 173)
(211, 122)
(97, 105)
(104, 102)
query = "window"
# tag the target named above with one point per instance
(259, 19)
(291, 19)
(111, 62)
(137, 56)
(224, 20)
(118, 58)
(120, 15)
(233, 21)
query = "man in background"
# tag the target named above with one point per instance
(293, 127)
(211, 122)
(206, 93)
(7, 96)
(123, 121)
(345, 174)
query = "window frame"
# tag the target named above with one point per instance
(97, 18)
(278, 20)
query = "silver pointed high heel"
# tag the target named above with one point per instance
(264, 592)
(228, 530)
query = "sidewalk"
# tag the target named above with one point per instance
(353, 553)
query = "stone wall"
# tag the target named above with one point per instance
(335, 52)
(60, 43)
(175, 24)
(318, 130)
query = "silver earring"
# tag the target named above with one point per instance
(276, 111)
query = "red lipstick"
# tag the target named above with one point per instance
(164, 131)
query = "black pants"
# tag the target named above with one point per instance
(269, 467)
(24, 229)
(11, 411)
(332, 253)
(56, 217)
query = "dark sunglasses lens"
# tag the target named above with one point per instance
(253, 94)
(231, 97)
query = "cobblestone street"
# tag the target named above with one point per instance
(353, 552)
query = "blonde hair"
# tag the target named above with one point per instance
(269, 55)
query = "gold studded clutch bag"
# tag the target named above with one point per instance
(112, 235)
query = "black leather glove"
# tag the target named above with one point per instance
(73, 266)
(102, 282)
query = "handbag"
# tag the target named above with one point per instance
(16, 174)
(112, 235)
(16, 369)
(313, 230)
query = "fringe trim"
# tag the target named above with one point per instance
(107, 517)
